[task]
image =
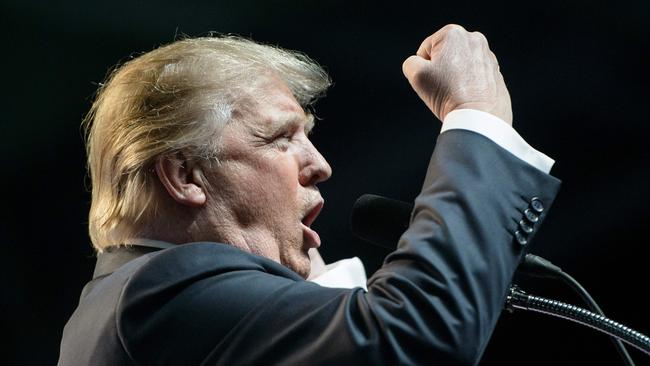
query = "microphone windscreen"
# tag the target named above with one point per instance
(380, 220)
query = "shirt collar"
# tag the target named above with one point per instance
(116, 256)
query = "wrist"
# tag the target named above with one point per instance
(502, 112)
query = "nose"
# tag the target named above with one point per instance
(315, 168)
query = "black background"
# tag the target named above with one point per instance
(578, 74)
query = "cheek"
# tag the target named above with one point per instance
(278, 172)
(270, 184)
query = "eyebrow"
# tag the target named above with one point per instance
(309, 123)
(308, 120)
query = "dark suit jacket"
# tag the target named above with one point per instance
(435, 300)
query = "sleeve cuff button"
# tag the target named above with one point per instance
(523, 225)
(521, 238)
(537, 205)
(531, 216)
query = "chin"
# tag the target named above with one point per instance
(304, 270)
(300, 264)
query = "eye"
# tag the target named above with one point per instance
(288, 136)
(285, 136)
(282, 140)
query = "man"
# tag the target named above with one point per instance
(204, 190)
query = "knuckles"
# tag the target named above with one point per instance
(448, 31)
(453, 29)
(479, 38)
(460, 69)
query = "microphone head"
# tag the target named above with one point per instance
(380, 220)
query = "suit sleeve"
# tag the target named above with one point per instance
(435, 300)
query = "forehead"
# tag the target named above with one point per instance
(271, 105)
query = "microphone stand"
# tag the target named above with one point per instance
(381, 221)
(518, 299)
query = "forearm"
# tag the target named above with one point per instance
(454, 264)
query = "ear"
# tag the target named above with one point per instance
(182, 179)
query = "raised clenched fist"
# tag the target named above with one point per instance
(455, 69)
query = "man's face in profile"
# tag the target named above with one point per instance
(264, 185)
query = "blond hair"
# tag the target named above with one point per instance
(174, 98)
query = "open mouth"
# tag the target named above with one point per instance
(312, 214)
(311, 237)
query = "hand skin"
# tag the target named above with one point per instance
(455, 69)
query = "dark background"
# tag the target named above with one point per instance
(578, 73)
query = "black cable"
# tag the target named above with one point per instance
(537, 266)
(620, 347)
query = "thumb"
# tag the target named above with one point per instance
(412, 66)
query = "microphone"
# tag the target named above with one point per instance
(380, 220)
